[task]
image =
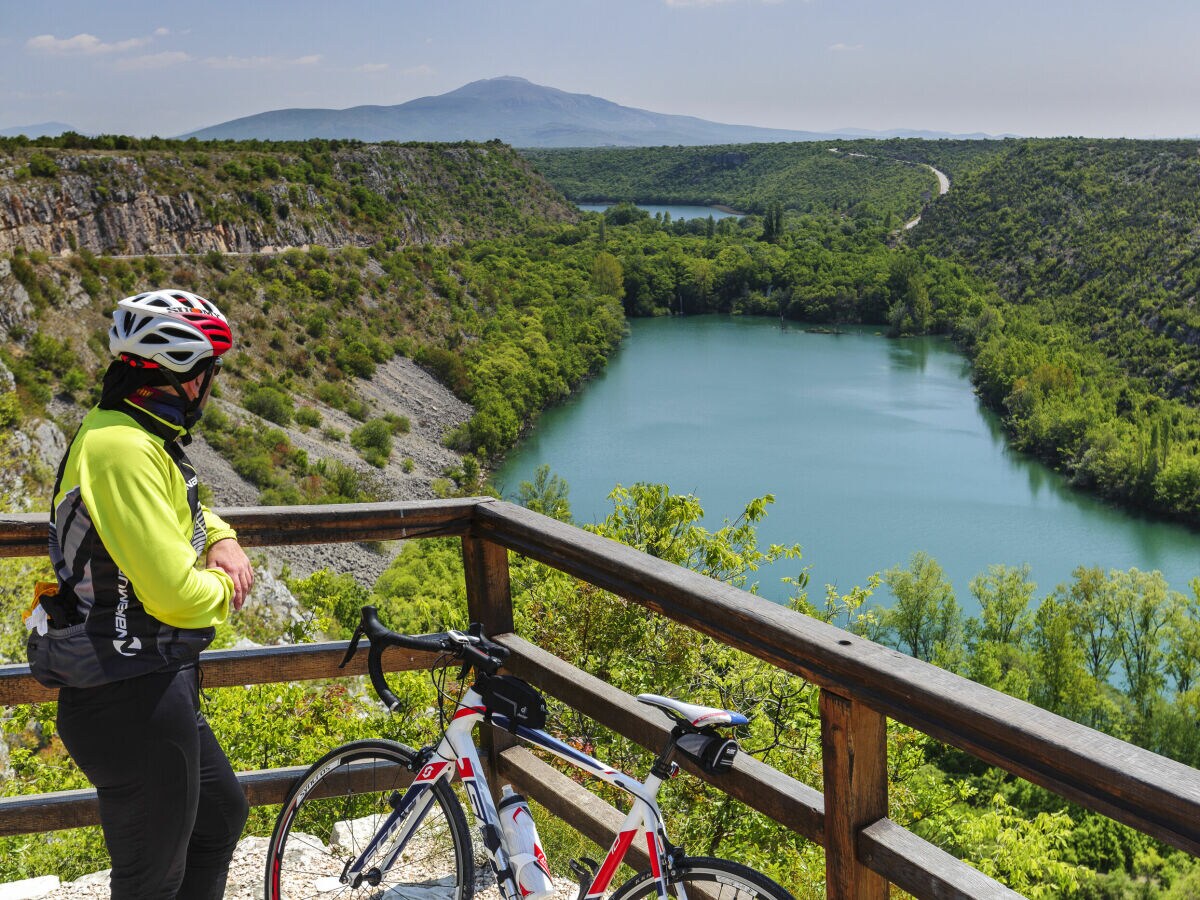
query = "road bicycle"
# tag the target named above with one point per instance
(350, 828)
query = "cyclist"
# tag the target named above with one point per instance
(121, 630)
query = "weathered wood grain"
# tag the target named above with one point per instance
(854, 759)
(923, 870)
(24, 534)
(231, 668)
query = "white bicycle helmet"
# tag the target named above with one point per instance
(168, 328)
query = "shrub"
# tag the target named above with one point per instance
(374, 441)
(355, 359)
(399, 424)
(42, 166)
(447, 367)
(308, 417)
(271, 403)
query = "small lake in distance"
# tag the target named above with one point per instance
(874, 449)
(677, 211)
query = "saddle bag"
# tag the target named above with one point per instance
(711, 752)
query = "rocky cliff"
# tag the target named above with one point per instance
(192, 200)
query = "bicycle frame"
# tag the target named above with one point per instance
(456, 753)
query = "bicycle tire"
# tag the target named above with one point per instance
(342, 798)
(706, 878)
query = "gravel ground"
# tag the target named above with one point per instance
(248, 868)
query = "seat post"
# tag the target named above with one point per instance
(662, 765)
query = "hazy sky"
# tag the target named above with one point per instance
(1031, 67)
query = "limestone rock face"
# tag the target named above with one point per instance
(179, 201)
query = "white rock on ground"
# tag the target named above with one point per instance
(29, 888)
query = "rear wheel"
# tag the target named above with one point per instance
(706, 878)
(333, 812)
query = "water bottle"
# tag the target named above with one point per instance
(525, 854)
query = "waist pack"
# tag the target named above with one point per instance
(513, 698)
(711, 752)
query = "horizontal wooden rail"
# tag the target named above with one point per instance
(1149, 792)
(24, 534)
(917, 866)
(231, 668)
(892, 850)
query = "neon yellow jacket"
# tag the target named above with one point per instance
(137, 498)
(126, 533)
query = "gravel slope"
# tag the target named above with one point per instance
(399, 386)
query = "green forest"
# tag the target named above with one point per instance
(806, 178)
(1061, 268)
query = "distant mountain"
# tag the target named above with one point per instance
(42, 129)
(514, 110)
(920, 133)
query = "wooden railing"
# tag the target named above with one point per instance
(862, 684)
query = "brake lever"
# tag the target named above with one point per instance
(463, 641)
(353, 648)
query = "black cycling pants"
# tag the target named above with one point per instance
(170, 806)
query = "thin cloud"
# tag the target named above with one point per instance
(82, 45)
(844, 48)
(163, 60)
(260, 62)
(372, 67)
(421, 70)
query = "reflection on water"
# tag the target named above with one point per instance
(873, 448)
(909, 353)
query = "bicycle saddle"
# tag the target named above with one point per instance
(694, 715)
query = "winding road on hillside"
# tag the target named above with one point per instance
(943, 179)
(943, 188)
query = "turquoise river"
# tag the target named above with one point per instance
(873, 448)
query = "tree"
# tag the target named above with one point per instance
(1141, 610)
(926, 618)
(607, 275)
(1004, 594)
(1060, 681)
(546, 494)
(1093, 623)
(1183, 642)
(773, 223)
(997, 655)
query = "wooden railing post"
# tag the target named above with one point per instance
(489, 597)
(854, 747)
(489, 602)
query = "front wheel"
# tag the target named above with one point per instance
(706, 878)
(333, 811)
